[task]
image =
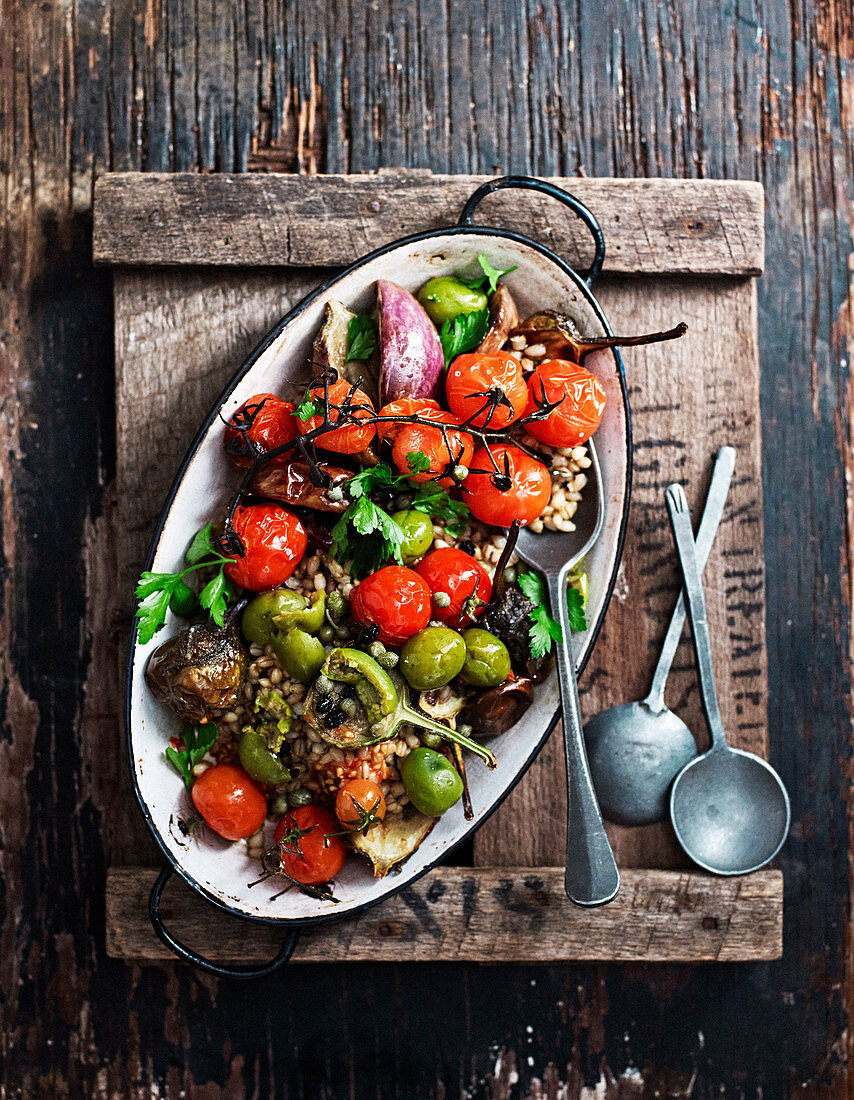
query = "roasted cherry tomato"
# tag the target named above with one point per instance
(358, 799)
(229, 801)
(577, 416)
(317, 855)
(408, 406)
(273, 423)
(275, 542)
(418, 439)
(457, 575)
(529, 490)
(471, 377)
(349, 440)
(396, 599)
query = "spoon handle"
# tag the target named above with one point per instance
(591, 876)
(680, 517)
(715, 501)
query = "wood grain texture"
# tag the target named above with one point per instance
(487, 915)
(757, 90)
(696, 227)
(688, 400)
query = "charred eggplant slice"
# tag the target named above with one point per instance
(198, 671)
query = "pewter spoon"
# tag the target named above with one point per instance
(636, 749)
(591, 876)
(729, 807)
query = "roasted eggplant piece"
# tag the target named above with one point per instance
(392, 840)
(562, 340)
(292, 484)
(509, 618)
(200, 670)
(503, 318)
(330, 350)
(496, 710)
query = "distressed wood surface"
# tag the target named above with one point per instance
(486, 915)
(758, 90)
(694, 227)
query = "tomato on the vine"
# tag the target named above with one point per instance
(419, 439)
(425, 407)
(461, 578)
(349, 439)
(396, 599)
(229, 801)
(577, 416)
(310, 852)
(359, 802)
(275, 542)
(529, 486)
(273, 424)
(471, 377)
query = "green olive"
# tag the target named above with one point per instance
(184, 601)
(431, 781)
(257, 623)
(417, 534)
(300, 654)
(432, 657)
(487, 660)
(258, 761)
(445, 298)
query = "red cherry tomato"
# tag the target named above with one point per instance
(415, 438)
(396, 599)
(349, 440)
(459, 576)
(273, 424)
(471, 376)
(275, 542)
(356, 795)
(408, 406)
(578, 415)
(229, 801)
(315, 857)
(529, 491)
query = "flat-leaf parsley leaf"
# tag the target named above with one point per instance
(545, 630)
(197, 740)
(463, 333)
(361, 337)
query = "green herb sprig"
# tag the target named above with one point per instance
(463, 333)
(361, 338)
(544, 630)
(197, 740)
(155, 590)
(489, 282)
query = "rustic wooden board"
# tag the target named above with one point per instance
(485, 915)
(686, 88)
(697, 227)
(688, 398)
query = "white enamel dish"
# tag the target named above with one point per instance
(222, 871)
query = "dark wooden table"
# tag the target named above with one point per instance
(756, 90)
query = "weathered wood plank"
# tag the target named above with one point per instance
(697, 227)
(688, 399)
(486, 915)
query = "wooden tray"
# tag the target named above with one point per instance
(185, 317)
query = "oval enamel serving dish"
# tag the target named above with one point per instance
(221, 871)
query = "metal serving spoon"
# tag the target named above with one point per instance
(591, 876)
(729, 807)
(636, 749)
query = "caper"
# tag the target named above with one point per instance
(430, 739)
(326, 634)
(280, 804)
(350, 707)
(388, 659)
(299, 797)
(323, 684)
(376, 649)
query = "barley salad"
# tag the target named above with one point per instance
(359, 627)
